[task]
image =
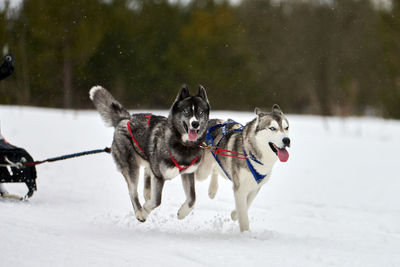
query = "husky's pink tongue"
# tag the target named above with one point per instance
(192, 135)
(283, 155)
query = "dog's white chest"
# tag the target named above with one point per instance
(170, 173)
(190, 169)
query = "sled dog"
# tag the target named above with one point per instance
(260, 143)
(165, 146)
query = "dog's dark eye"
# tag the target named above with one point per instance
(186, 112)
(272, 128)
(287, 128)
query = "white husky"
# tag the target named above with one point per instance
(255, 146)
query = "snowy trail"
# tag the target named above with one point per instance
(334, 203)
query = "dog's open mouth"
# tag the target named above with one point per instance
(192, 133)
(282, 153)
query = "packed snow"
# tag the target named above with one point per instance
(336, 202)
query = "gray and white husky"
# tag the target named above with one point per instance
(165, 146)
(260, 143)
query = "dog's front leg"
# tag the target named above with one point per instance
(241, 209)
(251, 196)
(188, 187)
(157, 185)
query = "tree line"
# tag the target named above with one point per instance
(336, 58)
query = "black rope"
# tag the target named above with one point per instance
(68, 156)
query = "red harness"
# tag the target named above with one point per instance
(133, 138)
(180, 168)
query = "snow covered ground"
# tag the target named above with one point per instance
(336, 202)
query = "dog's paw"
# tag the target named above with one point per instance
(184, 211)
(244, 228)
(141, 215)
(147, 207)
(234, 215)
(211, 192)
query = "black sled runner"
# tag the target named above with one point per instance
(12, 173)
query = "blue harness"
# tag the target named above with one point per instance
(210, 141)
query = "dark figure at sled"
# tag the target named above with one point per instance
(10, 172)
(7, 67)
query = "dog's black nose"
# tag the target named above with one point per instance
(195, 124)
(286, 141)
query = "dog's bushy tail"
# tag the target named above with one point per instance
(111, 111)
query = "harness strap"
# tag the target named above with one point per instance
(257, 176)
(220, 165)
(217, 151)
(253, 158)
(225, 132)
(22, 164)
(180, 168)
(133, 138)
(232, 153)
(74, 155)
(148, 119)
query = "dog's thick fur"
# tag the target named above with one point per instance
(161, 140)
(262, 137)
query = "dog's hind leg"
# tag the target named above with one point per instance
(157, 185)
(147, 183)
(131, 177)
(188, 187)
(213, 187)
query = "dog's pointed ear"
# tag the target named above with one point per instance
(257, 111)
(277, 109)
(202, 93)
(183, 93)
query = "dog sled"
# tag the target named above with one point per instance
(18, 166)
(10, 172)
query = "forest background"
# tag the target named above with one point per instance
(338, 57)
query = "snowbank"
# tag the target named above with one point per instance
(335, 202)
